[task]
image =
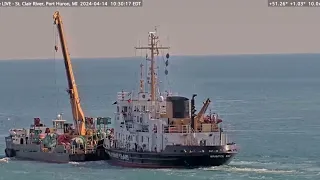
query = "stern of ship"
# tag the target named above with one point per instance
(200, 156)
(9, 151)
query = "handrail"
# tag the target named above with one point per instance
(188, 129)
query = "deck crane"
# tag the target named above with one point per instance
(199, 117)
(77, 112)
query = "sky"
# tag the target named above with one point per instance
(189, 27)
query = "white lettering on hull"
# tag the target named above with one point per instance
(220, 156)
(123, 157)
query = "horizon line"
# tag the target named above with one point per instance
(130, 57)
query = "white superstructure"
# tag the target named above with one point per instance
(150, 121)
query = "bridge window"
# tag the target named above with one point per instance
(118, 109)
(125, 109)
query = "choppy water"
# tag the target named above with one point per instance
(270, 104)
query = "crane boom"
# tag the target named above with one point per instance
(203, 110)
(77, 112)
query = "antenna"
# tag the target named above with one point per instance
(154, 50)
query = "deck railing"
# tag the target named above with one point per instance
(188, 129)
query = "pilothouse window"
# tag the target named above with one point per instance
(125, 109)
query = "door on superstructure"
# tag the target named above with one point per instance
(203, 142)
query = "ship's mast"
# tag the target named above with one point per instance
(77, 112)
(154, 50)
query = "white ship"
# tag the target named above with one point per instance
(158, 130)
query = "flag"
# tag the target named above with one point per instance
(114, 103)
(129, 101)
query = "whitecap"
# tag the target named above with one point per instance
(6, 160)
(247, 169)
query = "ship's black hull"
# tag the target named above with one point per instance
(168, 160)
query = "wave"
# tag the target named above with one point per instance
(240, 163)
(4, 160)
(250, 169)
(310, 168)
(259, 170)
(256, 167)
(74, 163)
